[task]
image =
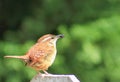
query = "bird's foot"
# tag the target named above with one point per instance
(41, 75)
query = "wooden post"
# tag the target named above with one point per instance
(55, 78)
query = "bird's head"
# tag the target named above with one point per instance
(50, 38)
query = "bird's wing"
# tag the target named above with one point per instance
(37, 54)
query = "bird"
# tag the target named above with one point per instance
(42, 54)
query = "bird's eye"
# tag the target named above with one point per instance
(52, 37)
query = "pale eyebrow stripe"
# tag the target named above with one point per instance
(45, 39)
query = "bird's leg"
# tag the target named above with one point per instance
(45, 72)
(40, 74)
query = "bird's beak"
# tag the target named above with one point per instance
(60, 36)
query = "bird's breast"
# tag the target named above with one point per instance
(51, 57)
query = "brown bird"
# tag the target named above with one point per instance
(41, 55)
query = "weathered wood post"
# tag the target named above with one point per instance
(55, 78)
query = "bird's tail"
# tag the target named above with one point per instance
(18, 57)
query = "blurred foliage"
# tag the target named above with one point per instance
(90, 48)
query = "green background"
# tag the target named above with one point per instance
(91, 46)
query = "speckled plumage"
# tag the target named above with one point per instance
(41, 55)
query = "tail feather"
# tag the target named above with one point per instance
(18, 57)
